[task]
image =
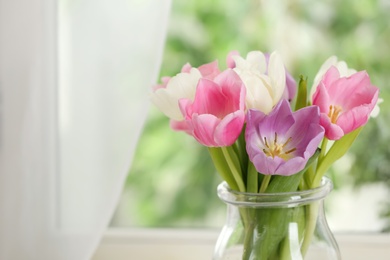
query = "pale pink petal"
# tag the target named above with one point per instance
(186, 68)
(210, 70)
(181, 126)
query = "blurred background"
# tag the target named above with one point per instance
(172, 182)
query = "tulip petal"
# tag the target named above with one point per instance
(204, 127)
(332, 131)
(231, 64)
(292, 166)
(209, 70)
(277, 74)
(228, 130)
(181, 126)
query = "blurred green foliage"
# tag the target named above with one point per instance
(172, 181)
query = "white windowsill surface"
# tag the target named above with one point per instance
(198, 244)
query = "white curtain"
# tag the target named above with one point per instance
(74, 77)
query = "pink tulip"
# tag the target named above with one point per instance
(216, 116)
(345, 102)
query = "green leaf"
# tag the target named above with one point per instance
(338, 149)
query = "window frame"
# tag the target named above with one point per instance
(191, 244)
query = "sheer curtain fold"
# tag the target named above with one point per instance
(74, 77)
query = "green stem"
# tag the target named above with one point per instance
(248, 218)
(324, 147)
(243, 156)
(311, 221)
(316, 179)
(234, 168)
(264, 183)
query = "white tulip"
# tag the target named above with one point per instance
(265, 82)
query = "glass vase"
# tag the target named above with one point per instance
(276, 226)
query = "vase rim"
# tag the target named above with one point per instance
(286, 199)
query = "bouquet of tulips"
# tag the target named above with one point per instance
(260, 126)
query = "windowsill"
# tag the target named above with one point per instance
(172, 244)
